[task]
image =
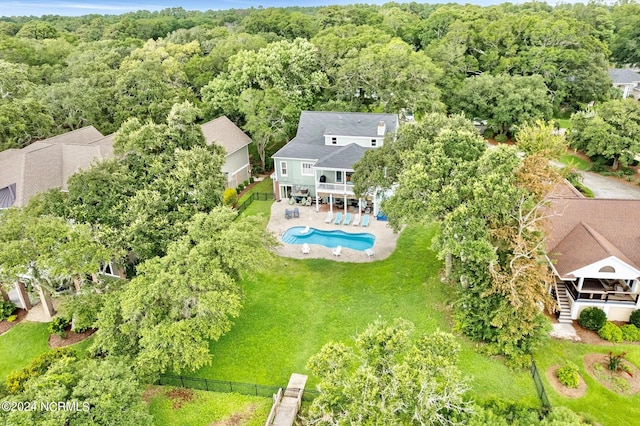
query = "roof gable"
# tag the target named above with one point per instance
(342, 158)
(623, 76)
(226, 134)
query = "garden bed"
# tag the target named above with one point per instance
(562, 389)
(56, 341)
(621, 382)
(6, 325)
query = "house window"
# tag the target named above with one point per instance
(334, 141)
(307, 169)
(373, 142)
(349, 174)
(283, 168)
(339, 177)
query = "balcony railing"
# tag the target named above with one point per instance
(604, 297)
(336, 188)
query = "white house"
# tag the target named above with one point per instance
(628, 81)
(317, 164)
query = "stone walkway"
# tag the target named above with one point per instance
(384, 245)
(564, 331)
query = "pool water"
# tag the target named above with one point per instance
(331, 239)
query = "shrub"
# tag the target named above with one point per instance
(12, 318)
(17, 379)
(615, 362)
(59, 326)
(568, 375)
(488, 133)
(230, 197)
(82, 309)
(6, 309)
(611, 332)
(246, 182)
(501, 138)
(630, 333)
(592, 318)
(241, 186)
(251, 179)
(635, 318)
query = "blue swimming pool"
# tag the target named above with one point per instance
(331, 239)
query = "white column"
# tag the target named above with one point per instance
(580, 282)
(23, 296)
(331, 202)
(345, 203)
(47, 303)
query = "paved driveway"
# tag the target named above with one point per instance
(606, 187)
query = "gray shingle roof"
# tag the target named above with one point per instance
(225, 133)
(309, 141)
(343, 157)
(623, 76)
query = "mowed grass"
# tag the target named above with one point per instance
(599, 405)
(26, 341)
(294, 308)
(206, 407)
(265, 185)
(575, 162)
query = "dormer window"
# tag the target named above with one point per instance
(334, 141)
(374, 142)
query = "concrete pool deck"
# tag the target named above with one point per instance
(385, 243)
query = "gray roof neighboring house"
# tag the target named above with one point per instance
(623, 76)
(309, 142)
(223, 132)
(48, 164)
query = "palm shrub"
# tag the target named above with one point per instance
(630, 333)
(568, 375)
(635, 318)
(615, 362)
(610, 332)
(592, 318)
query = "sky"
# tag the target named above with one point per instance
(107, 7)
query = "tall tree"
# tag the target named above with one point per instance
(390, 377)
(611, 130)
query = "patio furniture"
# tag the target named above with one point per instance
(337, 251)
(305, 248)
(308, 202)
(329, 217)
(338, 219)
(370, 252)
(305, 230)
(365, 220)
(291, 201)
(287, 213)
(356, 220)
(347, 219)
(296, 212)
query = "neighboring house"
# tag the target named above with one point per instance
(628, 81)
(594, 251)
(48, 164)
(318, 161)
(236, 145)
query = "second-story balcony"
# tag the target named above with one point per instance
(335, 188)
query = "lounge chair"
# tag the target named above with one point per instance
(305, 230)
(291, 201)
(338, 219)
(329, 217)
(305, 248)
(296, 212)
(337, 251)
(356, 220)
(347, 219)
(370, 252)
(365, 220)
(287, 213)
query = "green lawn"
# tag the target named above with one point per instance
(575, 162)
(565, 123)
(24, 342)
(265, 185)
(206, 407)
(599, 404)
(297, 306)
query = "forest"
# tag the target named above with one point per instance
(505, 64)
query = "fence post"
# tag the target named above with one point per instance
(182, 381)
(206, 384)
(231, 386)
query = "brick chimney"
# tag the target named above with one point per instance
(381, 128)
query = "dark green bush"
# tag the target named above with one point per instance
(610, 332)
(592, 318)
(630, 333)
(488, 133)
(6, 309)
(246, 182)
(635, 318)
(568, 375)
(59, 326)
(501, 138)
(251, 179)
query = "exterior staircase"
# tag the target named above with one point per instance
(563, 301)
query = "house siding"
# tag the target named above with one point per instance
(237, 166)
(363, 141)
(294, 175)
